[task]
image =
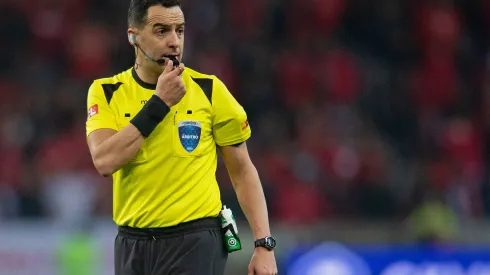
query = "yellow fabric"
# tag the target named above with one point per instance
(433, 219)
(164, 184)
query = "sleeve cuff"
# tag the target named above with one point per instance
(230, 142)
(91, 129)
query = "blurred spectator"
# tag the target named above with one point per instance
(88, 58)
(340, 76)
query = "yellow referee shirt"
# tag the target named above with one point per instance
(172, 178)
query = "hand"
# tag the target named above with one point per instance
(170, 87)
(263, 262)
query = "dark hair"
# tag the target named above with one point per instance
(138, 10)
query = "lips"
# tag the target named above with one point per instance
(171, 56)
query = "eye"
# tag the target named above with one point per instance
(180, 31)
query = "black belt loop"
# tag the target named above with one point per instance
(151, 236)
(172, 231)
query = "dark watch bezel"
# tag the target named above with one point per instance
(268, 243)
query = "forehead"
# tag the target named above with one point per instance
(165, 16)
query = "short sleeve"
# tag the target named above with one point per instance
(99, 114)
(230, 123)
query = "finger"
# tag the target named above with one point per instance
(180, 69)
(169, 67)
(175, 72)
(182, 86)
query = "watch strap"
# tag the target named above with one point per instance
(263, 242)
(260, 242)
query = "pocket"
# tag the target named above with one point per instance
(142, 154)
(189, 130)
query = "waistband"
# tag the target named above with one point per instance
(171, 231)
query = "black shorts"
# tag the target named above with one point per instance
(186, 249)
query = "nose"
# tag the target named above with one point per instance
(173, 40)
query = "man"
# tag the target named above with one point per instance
(155, 129)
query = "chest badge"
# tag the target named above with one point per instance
(189, 134)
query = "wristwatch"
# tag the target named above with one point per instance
(268, 243)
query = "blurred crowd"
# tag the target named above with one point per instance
(359, 109)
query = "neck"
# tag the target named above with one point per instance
(146, 73)
(144, 76)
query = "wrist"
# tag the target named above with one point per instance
(260, 249)
(268, 243)
(164, 100)
(150, 115)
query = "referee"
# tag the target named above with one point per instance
(155, 128)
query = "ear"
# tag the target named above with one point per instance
(132, 38)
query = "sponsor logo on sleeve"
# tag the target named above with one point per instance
(92, 111)
(245, 125)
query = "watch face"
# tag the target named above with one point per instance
(270, 242)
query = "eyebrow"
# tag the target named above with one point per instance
(166, 26)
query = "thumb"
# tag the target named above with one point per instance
(169, 67)
(251, 270)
